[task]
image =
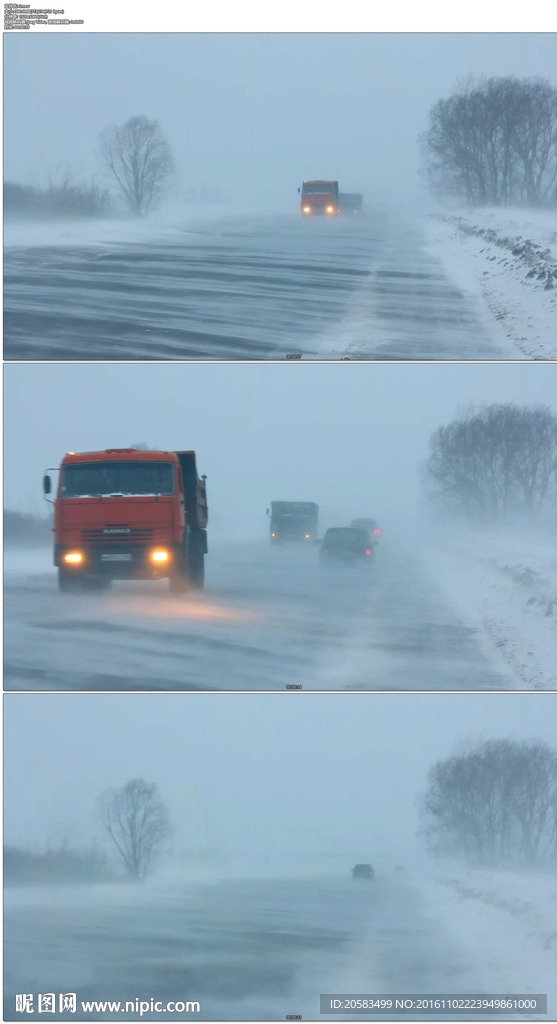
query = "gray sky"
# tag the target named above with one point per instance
(347, 435)
(251, 113)
(261, 778)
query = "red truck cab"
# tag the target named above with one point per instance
(319, 197)
(128, 513)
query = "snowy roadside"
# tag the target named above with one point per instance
(507, 587)
(506, 259)
(508, 917)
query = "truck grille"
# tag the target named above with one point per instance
(115, 533)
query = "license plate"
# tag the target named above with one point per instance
(116, 558)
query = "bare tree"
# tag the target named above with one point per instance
(139, 159)
(136, 820)
(535, 142)
(494, 141)
(494, 462)
(494, 804)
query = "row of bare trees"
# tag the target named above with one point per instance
(56, 864)
(494, 804)
(63, 197)
(495, 462)
(494, 142)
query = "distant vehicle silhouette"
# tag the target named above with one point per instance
(363, 871)
(345, 544)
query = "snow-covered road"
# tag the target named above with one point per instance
(260, 949)
(268, 618)
(242, 288)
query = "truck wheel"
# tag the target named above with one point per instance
(98, 584)
(177, 581)
(178, 578)
(196, 565)
(68, 581)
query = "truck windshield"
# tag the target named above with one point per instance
(93, 479)
(291, 521)
(324, 189)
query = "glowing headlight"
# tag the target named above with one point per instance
(159, 556)
(330, 209)
(73, 557)
(306, 209)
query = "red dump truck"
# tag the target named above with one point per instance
(319, 197)
(129, 513)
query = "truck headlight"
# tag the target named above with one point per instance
(330, 209)
(73, 558)
(160, 556)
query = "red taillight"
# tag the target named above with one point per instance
(368, 552)
(377, 531)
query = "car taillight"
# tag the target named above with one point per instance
(368, 552)
(377, 531)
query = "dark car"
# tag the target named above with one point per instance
(346, 544)
(363, 871)
(372, 527)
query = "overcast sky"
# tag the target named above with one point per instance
(262, 779)
(347, 435)
(252, 114)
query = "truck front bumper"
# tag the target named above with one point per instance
(118, 561)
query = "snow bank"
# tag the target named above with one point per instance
(508, 917)
(507, 260)
(506, 585)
